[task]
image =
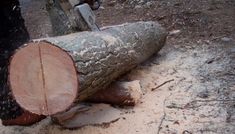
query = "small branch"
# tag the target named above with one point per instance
(162, 84)
(215, 100)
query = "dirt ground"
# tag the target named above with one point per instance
(197, 67)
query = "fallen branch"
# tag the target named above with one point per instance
(162, 84)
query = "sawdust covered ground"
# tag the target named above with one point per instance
(196, 69)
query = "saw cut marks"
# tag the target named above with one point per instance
(43, 78)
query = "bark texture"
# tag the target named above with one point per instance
(102, 57)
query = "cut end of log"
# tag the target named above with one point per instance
(43, 78)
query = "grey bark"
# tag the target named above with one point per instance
(101, 57)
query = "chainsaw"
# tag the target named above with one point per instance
(94, 4)
(84, 8)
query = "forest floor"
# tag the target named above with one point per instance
(196, 69)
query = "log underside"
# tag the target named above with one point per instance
(119, 93)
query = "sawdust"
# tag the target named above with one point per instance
(185, 109)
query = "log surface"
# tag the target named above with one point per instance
(102, 57)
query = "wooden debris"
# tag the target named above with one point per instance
(84, 115)
(119, 93)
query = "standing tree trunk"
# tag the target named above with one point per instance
(43, 74)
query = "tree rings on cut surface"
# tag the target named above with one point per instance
(43, 78)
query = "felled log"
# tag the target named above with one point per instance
(48, 75)
(119, 93)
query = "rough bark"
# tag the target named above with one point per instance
(101, 57)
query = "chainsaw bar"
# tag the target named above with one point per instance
(88, 16)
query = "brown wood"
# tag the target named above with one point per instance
(43, 78)
(100, 58)
(25, 119)
(119, 93)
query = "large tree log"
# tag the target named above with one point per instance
(43, 74)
